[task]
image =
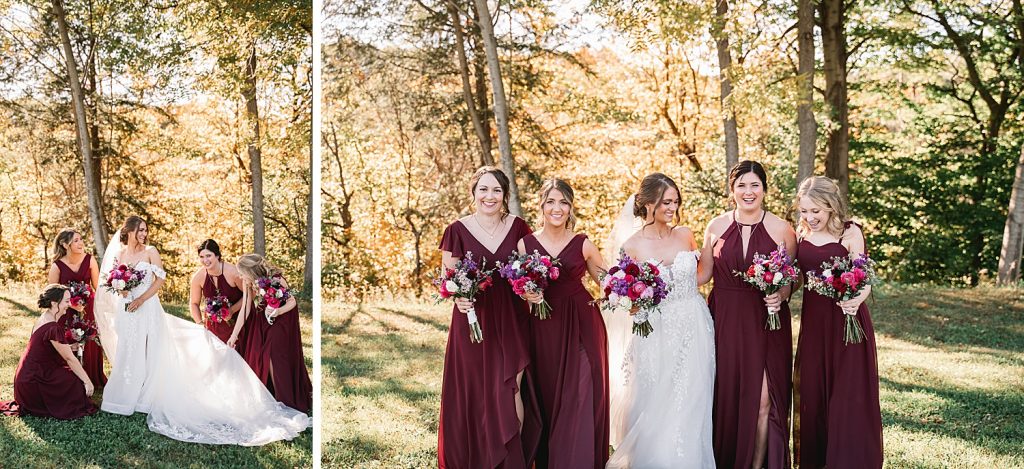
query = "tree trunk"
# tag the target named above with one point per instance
(480, 74)
(1013, 232)
(833, 43)
(255, 154)
(508, 164)
(732, 141)
(92, 183)
(311, 243)
(467, 92)
(805, 104)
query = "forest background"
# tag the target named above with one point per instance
(194, 114)
(913, 105)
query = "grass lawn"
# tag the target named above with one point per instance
(951, 365)
(108, 440)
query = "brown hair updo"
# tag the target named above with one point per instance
(130, 225)
(502, 181)
(256, 266)
(64, 237)
(652, 190)
(52, 293)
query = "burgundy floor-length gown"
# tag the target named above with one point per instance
(745, 352)
(838, 417)
(478, 426)
(92, 356)
(569, 358)
(44, 385)
(274, 351)
(213, 286)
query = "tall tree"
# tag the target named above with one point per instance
(805, 96)
(255, 152)
(832, 15)
(482, 132)
(92, 182)
(508, 164)
(732, 141)
(1013, 233)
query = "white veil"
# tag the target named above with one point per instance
(619, 326)
(106, 305)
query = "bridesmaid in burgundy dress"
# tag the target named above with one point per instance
(485, 421)
(216, 278)
(274, 351)
(49, 381)
(568, 350)
(838, 417)
(72, 264)
(754, 366)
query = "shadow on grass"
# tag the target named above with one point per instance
(347, 452)
(20, 306)
(990, 420)
(441, 327)
(948, 318)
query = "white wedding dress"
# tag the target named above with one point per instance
(193, 386)
(662, 386)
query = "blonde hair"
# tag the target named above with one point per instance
(256, 266)
(566, 190)
(824, 192)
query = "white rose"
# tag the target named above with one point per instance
(118, 284)
(279, 293)
(620, 274)
(625, 302)
(777, 278)
(451, 286)
(827, 273)
(613, 298)
(263, 292)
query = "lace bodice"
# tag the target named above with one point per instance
(152, 272)
(682, 274)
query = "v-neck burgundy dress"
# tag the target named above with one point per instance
(838, 417)
(44, 385)
(569, 352)
(92, 356)
(213, 286)
(745, 351)
(478, 426)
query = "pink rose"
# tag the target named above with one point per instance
(768, 276)
(545, 261)
(553, 273)
(849, 278)
(638, 288)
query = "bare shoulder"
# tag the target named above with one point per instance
(196, 277)
(777, 225)
(719, 224)
(854, 231)
(682, 233)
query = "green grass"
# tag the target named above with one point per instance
(108, 440)
(951, 363)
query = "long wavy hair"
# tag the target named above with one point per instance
(824, 192)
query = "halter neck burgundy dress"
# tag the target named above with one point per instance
(838, 417)
(745, 351)
(92, 356)
(570, 363)
(218, 285)
(478, 426)
(44, 385)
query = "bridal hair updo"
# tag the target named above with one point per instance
(60, 245)
(502, 181)
(824, 192)
(652, 190)
(52, 293)
(255, 266)
(130, 225)
(209, 245)
(566, 190)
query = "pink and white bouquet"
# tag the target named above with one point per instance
(122, 279)
(769, 274)
(80, 293)
(218, 309)
(530, 273)
(843, 278)
(631, 284)
(79, 331)
(464, 281)
(273, 294)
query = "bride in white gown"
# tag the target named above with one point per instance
(662, 386)
(193, 386)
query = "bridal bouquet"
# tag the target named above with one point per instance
(769, 274)
(464, 281)
(218, 308)
(630, 284)
(122, 279)
(80, 293)
(79, 331)
(530, 273)
(273, 293)
(843, 278)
